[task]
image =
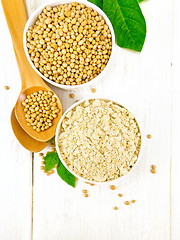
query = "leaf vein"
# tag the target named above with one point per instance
(128, 30)
(131, 19)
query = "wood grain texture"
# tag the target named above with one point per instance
(141, 82)
(16, 165)
(147, 84)
(175, 159)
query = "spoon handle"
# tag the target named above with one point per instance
(16, 16)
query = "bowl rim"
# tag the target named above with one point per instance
(64, 163)
(31, 20)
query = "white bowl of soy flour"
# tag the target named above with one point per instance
(98, 140)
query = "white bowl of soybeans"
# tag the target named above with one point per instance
(99, 141)
(69, 44)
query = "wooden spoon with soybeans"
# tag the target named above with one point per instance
(16, 17)
(25, 139)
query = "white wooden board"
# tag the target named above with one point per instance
(142, 83)
(15, 161)
(175, 159)
(147, 84)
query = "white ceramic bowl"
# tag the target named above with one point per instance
(52, 3)
(64, 163)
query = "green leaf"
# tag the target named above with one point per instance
(128, 23)
(140, 1)
(50, 160)
(98, 3)
(65, 174)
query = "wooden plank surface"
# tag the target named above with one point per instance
(142, 83)
(147, 84)
(175, 159)
(15, 161)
